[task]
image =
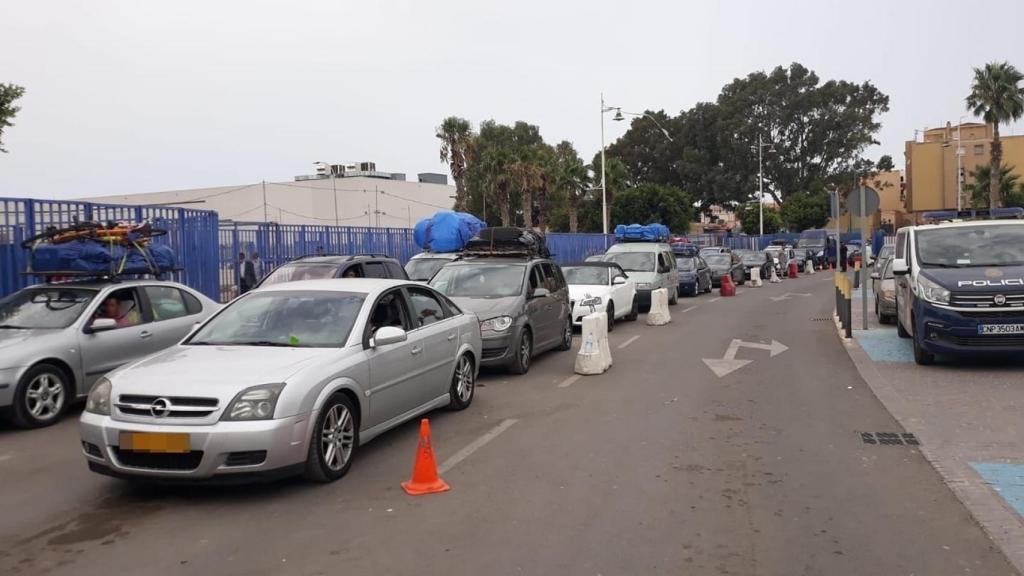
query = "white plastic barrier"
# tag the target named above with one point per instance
(594, 356)
(775, 276)
(755, 277)
(808, 266)
(659, 315)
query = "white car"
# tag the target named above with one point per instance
(600, 287)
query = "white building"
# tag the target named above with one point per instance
(356, 198)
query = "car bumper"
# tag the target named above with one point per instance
(285, 442)
(578, 312)
(688, 285)
(643, 298)
(952, 333)
(8, 383)
(498, 349)
(886, 307)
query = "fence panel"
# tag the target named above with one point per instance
(573, 248)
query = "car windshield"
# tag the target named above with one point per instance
(818, 242)
(632, 261)
(593, 275)
(968, 246)
(479, 280)
(887, 270)
(753, 258)
(718, 259)
(686, 262)
(42, 308)
(301, 271)
(301, 319)
(423, 269)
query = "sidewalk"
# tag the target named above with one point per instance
(967, 417)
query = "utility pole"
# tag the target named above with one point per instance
(760, 183)
(265, 217)
(334, 191)
(604, 191)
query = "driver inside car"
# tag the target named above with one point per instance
(112, 308)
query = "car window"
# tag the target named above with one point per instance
(633, 261)
(300, 271)
(552, 279)
(592, 275)
(394, 270)
(900, 248)
(479, 280)
(389, 311)
(375, 270)
(192, 304)
(44, 307)
(166, 302)
(536, 278)
(426, 309)
(122, 306)
(424, 268)
(353, 271)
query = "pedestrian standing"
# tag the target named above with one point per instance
(248, 273)
(842, 257)
(242, 285)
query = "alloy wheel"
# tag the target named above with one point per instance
(337, 437)
(464, 380)
(44, 396)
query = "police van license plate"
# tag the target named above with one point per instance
(1000, 329)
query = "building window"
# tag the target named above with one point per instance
(979, 149)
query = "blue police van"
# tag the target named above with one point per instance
(960, 284)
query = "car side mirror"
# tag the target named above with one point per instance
(900, 267)
(540, 293)
(386, 335)
(618, 280)
(101, 325)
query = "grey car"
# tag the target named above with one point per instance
(287, 379)
(57, 339)
(523, 306)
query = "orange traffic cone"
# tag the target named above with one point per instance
(424, 472)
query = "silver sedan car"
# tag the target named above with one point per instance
(288, 379)
(57, 339)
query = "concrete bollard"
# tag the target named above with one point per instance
(659, 315)
(808, 266)
(593, 357)
(755, 277)
(775, 276)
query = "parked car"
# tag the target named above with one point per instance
(884, 254)
(694, 274)
(650, 266)
(714, 250)
(725, 265)
(522, 302)
(757, 260)
(57, 339)
(600, 286)
(335, 266)
(883, 284)
(289, 379)
(423, 266)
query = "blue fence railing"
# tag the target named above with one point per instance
(191, 233)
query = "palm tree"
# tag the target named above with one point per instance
(570, 179)
(457, 146)
(997, 97)
(528, 177)
(981, 186)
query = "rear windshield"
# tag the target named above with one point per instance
(423, 269)
(632, 261)
(718, 259)
(686, 263)
(755, 258)
(300, 271)
(592, 275)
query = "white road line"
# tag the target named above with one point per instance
(628, 342)
(715, 299)
(4, 457)
(568, 381)
(685, 310)
(738, 292)
(474, 446)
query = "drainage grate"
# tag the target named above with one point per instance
(822, 319)
(890, 438)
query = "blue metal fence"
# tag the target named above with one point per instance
(191, 233)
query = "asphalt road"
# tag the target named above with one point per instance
(656, 467)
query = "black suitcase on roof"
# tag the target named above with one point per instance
(509, 240)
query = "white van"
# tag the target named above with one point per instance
(650, 265)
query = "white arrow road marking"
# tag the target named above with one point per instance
(729, 363)
(788, 295)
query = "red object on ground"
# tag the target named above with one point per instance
(794, 270)
(424, 472)
(727, 288)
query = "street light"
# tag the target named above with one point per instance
(619, 118)
(760, 179)
(325, 167)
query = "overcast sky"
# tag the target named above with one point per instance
(141, 96)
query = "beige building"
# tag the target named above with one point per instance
(891, 209)
(932, 168)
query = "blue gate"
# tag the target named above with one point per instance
(191, 233)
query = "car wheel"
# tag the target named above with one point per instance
(523, 353)
(921, 356)
(463, 384)
(41, 396)
(566, 342)
(334, 442)
(610, 311)
(634, 311)
(675, 297)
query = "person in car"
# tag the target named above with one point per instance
(111, 308)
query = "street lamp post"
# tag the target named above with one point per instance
(760, 180)
(959, 166)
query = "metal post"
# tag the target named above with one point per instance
(959, 167)
(863, 259)
(334, 190)
(265, 217)
(760, 184)
(604, 192)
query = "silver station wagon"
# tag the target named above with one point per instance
(288, 379)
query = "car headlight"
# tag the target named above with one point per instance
(593, 301)
(643, 285)
(931, 291)
(255, 403)
(98, 401)
(497, 324)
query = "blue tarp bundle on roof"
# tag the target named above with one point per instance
(642, 233)
(88, 257)
(446, 231)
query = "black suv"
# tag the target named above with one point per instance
(336, 266)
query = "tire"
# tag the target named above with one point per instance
(610, 311)
(634, 311)
(41, 396)
(922, 356)
(523, 353)
(566, 343)
(463, 384)
(709, 288)
(675, 297)
(327, 460)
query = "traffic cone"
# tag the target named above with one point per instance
(424, 472)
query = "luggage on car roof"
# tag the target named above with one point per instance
(642, 233)
(509, 240)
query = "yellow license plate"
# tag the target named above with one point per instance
(159, 442)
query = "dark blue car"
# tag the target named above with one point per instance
(694, 274)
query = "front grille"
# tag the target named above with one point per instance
(250, 458)
(157, 461)
(987, 300)
(176, 406)
(995, 313)
(492, 353)
(998, 341)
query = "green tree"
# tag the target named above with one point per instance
(885, 164)
(804, 211)
(570, 180)
(617, 179)
(980, 187)
(654, 203)
(750, 217)
(457, 142)
(996, 96)
(9, 93)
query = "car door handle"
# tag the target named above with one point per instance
(451, 337)
(416, 350)
(145, 334)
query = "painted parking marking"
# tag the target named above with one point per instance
(5, 457)
(715, 299)
(628, 342)
(1006, 479)
(685, 310)
(568, 381)
(475, 445)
